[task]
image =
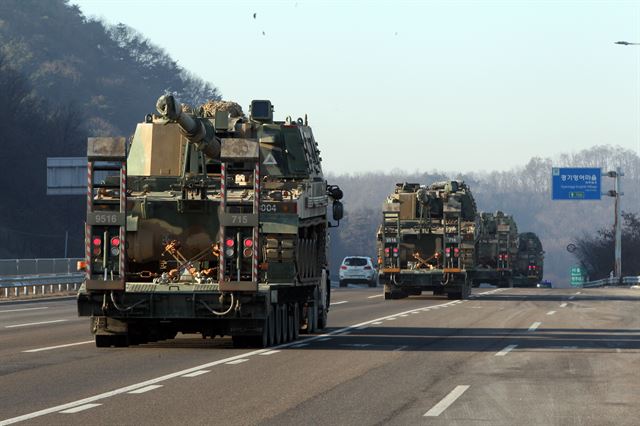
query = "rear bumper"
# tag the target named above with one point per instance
(424, 280)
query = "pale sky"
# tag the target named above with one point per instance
(448, 85)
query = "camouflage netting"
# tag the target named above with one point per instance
(209, 109)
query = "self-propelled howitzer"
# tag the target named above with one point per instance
(426, 240)
(211, 222)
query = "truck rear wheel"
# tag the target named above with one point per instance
(284, 317)
(277, 324)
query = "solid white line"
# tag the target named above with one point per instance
(299, 345)
(323, 339)
(391, 319)
(58, 347)
(80, 408)
(34, 323)
(534, 326)
(563, 305)
(506, 350)
(146, 389)
(398, 349)
(377, 323)
(24, 309)
(197, 373)
(404, 315)
(57, 408)
(269, 353)
(339, 303)
(363, 327)
(237, 361)
(446, 401)
(571, 297)
(579, 292)
(551, 312)
(377, 295)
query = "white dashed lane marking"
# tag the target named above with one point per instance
(24, 309)
(506, 350)
(534, 326)
(551, 312)
(563, 305)
(48, 348)
(34, 323)
(446, 401)
(339, 303)
(373, 297)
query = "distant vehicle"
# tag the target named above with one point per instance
(358, 270)
(545, 284)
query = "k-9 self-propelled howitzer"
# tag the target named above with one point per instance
(426, 240)
(213, 222)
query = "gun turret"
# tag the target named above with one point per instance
(199, 131)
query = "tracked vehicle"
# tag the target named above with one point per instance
(496, 249)
(426, 241)
(211, 222)
(529, 262)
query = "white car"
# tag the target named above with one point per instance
(358, 270)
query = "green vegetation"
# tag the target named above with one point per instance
(65, 77)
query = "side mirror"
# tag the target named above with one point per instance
(338, 211)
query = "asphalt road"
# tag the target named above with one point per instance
(504, 357)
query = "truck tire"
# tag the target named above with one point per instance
(272, 328)
(277, 324)
(291, 323)
(285, 323)
(296, 321)
(103, 341)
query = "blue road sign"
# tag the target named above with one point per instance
(575, 183)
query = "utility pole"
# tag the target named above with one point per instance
(617, 194)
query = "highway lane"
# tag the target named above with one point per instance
(477, 361)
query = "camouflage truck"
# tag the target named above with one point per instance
(211, 222)
(529, 263)
(426, 241)
(496, 249)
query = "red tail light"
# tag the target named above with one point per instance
(343, 267)
(367, 267)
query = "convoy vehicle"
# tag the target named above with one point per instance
(496, 249)
(358, 270)
(530, 260)
(211, 222)
(426, 241)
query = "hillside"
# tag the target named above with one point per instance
(64, 77)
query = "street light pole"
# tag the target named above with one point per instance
(618, 212)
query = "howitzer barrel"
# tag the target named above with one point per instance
(198, 131)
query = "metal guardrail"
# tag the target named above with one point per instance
(25, 285)
(629, 281)
(38, 266)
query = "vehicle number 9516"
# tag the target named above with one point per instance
(105, 218)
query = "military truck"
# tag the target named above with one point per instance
(426, 241)
(496, 249)
(211, 222)
(529, 263)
